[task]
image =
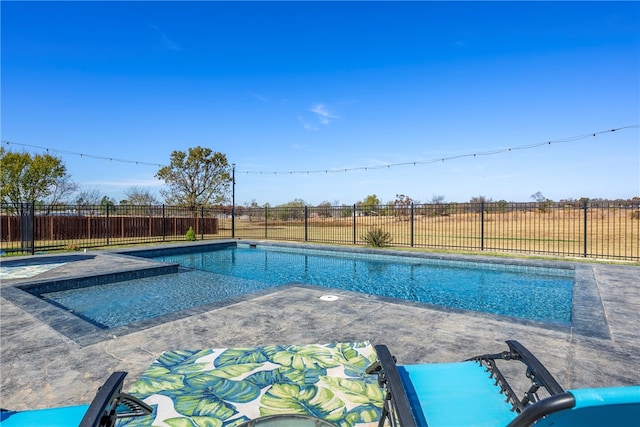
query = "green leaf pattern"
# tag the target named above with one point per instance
(226, 387)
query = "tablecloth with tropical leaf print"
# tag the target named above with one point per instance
(229, 386)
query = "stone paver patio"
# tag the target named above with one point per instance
(42, 367)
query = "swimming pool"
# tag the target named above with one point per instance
(521, 291)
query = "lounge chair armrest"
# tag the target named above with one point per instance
(103, 410)
(396, 402)
(535, 369)
(547, 406)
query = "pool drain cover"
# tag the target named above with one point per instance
(328, 297)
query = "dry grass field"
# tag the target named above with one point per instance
(603, 233)
(611, 235)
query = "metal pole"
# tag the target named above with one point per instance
(482, 225)
(306, 224)
(233, 200)
(106, 225)
(32, 219)
(23, 225)
(164, 226)
(354, 224)
(585, 228)
(412, 225)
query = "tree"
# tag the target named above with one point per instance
(437, 199)
(543, 202)
(25, 178)
(538, 197)
(371, 200)
(63, 188)
(403, 201)
(324, 210)
(502, 205)
(88, 201)
(480, 199)
(369, 204)
(200, 177)
(440, 209)
(346, 211)
(254, 210)
(401, 206)
(89, 197)
(291, 210)
(107, 204)
(477, 203)
(139, 197)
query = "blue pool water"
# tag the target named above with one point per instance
(534, 293)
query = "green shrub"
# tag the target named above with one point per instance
(377, 238)
(191, 235)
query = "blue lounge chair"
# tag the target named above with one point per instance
(110, 403)
(476, 393)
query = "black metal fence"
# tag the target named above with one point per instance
(590, 230)
(32, 228)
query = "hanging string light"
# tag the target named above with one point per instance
(81, 155)
(342, 170)
(442, 159)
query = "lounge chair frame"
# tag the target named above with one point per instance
(529, 407)
(111, 403)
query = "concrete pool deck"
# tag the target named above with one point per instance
(42, 367)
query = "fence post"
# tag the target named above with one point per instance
(164, 226)
(233, 200)
(482, 225)
(27, 232)
(584, 206)
(202, 222)
(32, 218)
(412, 227)
(306, 223)
(233, 220)
(354, 224)
(106, 225)
(266, 221)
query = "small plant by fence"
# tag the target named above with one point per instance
(590, 230)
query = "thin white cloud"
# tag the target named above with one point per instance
(323, 114)
(259, 97)
(166, 41)
(307, 125)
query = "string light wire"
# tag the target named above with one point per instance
(90, 156)
(442, 159)
(358, 168)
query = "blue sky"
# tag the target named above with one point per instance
(304, 86)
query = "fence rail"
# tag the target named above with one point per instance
(590, 230)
